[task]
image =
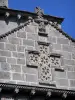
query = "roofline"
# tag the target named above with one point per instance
(59, 19)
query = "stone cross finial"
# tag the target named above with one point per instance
(39, 11)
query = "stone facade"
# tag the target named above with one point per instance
(37, 55)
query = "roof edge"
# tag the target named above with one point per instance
(59, 19)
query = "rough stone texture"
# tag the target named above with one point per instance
(29, 70)
(2, 59)
(67, 48)
(10, 47)
(52, 39)
(21, 34)
(2, 46)
(18, 55)
(13, 55)
(17, 76)
(28, 42)
(16, 68)
(4, 66)
(62, 41)
(4, 75)
(71, 75)
(14, 40)
(11, 60)
(72, 83)
(20, 48)
(60, 74)
(57, 47)
(21, 61)
(32, 36)
(62, 82)
(5, 53)
(31, 78)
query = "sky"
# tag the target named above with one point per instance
(60, 8)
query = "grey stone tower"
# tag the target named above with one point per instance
(3, 3)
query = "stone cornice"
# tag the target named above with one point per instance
(26, 14)
(36, 88)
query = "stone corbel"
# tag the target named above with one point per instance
(16, 90)
(48, 94)
(32, 93)
(64, 95)
(19, 16)
(7, 14)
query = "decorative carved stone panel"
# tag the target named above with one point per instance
(55, 61)
(45, 74)
(32, 58)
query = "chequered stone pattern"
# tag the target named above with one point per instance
(13, 48)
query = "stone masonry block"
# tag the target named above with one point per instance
(2, 46)
(4, 40)
(69, 62)
(30, 29)
(11, 60)
(2, 59)
(57, 46)
(69, 68)
(52, 39)
(73, 55)
(62, 41)
(20, 48)
(16, 68)
(21, 61)
(32, 36)
(72, 43)
(5, 53)
(28, 42)
(62, 82)
(18, 55)
(14, 40)
(5, 75)
(31, 78)
(10, 47)
(71, 75)
(18, 76)
(53, 32)
(72, 83)
(29, 70)
(66, 54)
(4, 66)
(60, 74)
(30, 48)
(67, 48)
(21, 34)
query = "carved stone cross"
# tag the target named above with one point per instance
(39, 12)
(45, 61)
